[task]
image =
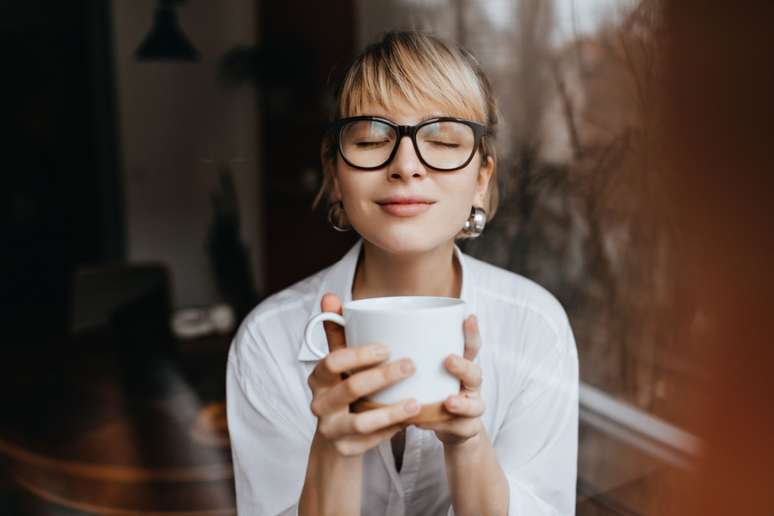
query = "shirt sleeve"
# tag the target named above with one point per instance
(269, 452)
(537, 444)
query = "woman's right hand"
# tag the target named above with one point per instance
(334, 389)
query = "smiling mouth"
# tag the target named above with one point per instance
(405, 209)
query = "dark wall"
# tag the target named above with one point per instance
(307, 45)
(59, 200)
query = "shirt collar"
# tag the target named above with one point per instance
(338, 280)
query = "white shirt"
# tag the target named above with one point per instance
(530, 388)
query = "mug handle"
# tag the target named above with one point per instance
(322, 316)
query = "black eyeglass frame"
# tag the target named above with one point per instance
(479, 131)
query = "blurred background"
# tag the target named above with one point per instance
(160, 162)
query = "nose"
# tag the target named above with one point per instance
(406, 163)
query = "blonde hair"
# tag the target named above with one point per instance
(418, 69)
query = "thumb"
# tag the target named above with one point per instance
(334, 333)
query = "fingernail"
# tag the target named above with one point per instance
(454, 402)
(411, 407)
(406, 366)
(454, 361)
(380, 350)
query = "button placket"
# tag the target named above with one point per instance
(385, 452)
(411, 462)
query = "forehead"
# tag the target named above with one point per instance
(403, 113)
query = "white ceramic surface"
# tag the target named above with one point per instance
(425, 329)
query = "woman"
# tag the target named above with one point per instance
(409, 165)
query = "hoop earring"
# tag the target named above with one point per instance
(475, 223)
(338, 208)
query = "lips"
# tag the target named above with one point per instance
(405, 206)
(397, 199)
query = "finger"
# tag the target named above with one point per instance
(364, 383)
(466, 406)
(472, 337)
(359, 357)
(468, 372)
(328, 370)
(373, 420)
(334, 333)
(462, 427)
(358, 444)
(369, 421)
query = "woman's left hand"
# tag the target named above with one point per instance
(467, 406)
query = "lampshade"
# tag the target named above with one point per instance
(166, 40)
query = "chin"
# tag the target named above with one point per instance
(407, 240)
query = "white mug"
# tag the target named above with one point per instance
(423, 328)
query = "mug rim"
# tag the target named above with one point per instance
(362, 304)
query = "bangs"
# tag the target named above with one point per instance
(420, 72)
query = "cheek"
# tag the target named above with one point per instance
(454, 209)
(460, 190)
(457, 194)
(357, 190)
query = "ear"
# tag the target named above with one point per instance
(482, 181)
(336, 188)
(335, 191)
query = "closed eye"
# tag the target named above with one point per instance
(444, 144)
(366, 145)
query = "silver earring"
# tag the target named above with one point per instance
(334, 214)
(474, 226)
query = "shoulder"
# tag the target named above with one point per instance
(271, 332)
(518, 302)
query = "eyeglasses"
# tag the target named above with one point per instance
(444, 143)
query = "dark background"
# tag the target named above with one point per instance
(61, 198)
(93, 415)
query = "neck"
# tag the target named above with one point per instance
(432, 273)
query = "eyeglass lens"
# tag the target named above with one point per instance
(443, 144)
